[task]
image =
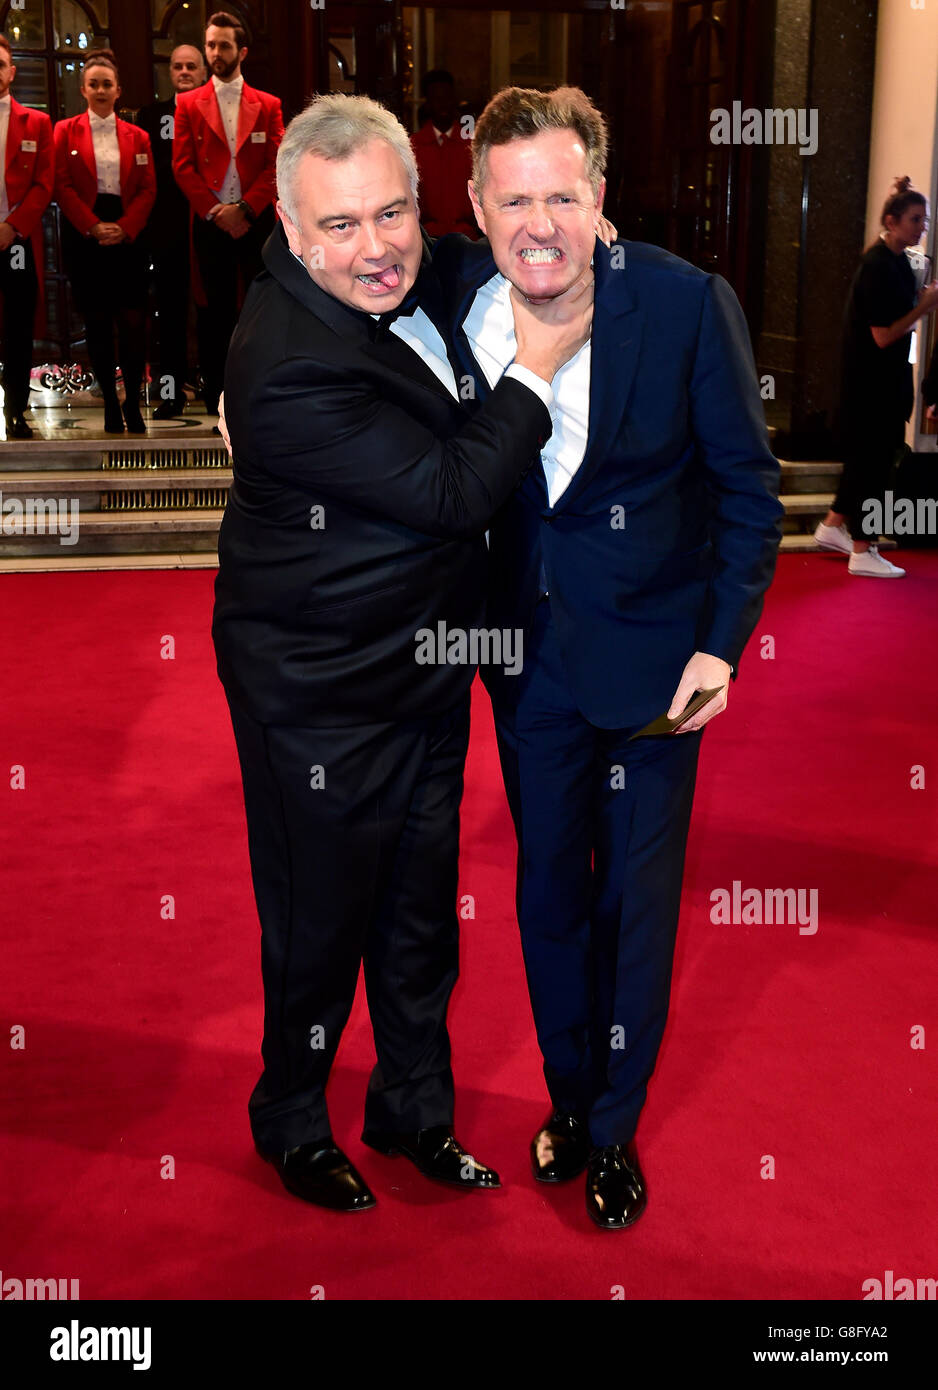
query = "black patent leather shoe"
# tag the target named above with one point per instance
(17, 428)
(168, 410)
(615, 1187)
(320, 1173)
(561, 1148)
(437, 1154)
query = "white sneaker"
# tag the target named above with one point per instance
(834, 538)
(871, 563)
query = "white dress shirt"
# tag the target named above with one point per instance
(5, 108)
(228, 95)
(107, 154)
(491, 332)
(419, 332)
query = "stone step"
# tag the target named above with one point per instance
(32, 564)
(86, 483)
(803, 542)
(806, 503)
(146, 523)
(198, 449)
(809, 477)
(124, 489)
(115, 533)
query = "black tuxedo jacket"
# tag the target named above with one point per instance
(357, 513)
(169, 220)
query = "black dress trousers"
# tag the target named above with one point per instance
(353, 835)
(19, 288)
(109, 286)
(223, 262)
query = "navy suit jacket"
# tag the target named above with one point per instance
(665, 540)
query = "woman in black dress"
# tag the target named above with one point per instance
(876, 388)
(105, 187)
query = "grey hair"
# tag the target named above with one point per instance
(336, 126)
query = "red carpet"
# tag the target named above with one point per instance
(142, 1030)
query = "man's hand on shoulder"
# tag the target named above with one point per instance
(605, 230)
(702, 672)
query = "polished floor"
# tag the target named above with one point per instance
(70, 423)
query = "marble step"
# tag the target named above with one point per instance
(87, 483)
(803, 542)
(806, 503)
(116, 533)
(164, 560)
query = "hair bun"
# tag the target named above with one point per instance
(107, 53)
(902, 184)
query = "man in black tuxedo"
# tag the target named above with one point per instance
(355, 524)
(166, 237)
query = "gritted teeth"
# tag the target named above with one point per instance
(540, 255)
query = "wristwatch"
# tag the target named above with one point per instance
(247, 210)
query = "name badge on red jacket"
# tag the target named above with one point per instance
(143, 158)
(258, 137)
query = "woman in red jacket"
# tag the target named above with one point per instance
(105, 186)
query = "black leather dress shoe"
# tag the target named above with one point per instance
(436, 1154)
(17, 428)
(615, 1187)
(169, 410)
(113, 419)
(561, 1148)
(320, 1173)
(133, 419)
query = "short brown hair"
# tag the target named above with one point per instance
(5, 43)
(221, 19)
(517, 113)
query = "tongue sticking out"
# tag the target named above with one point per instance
(388, 279)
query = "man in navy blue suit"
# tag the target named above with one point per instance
(635, 561)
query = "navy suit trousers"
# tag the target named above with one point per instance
(602, 828)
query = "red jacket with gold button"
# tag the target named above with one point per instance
(201, 154)
(30, 180)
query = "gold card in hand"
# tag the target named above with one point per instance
(664, 725)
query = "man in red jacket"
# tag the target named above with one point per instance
(443, 150)
(27, 177)
(224, 160)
